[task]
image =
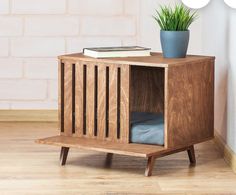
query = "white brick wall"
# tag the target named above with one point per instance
(38, 6)
(11, 26)
(96, 7)
(51, 26)
(34, 32)
(4, 7)
(11, 68)
(23, 89)
(37, 47)
(4, 47)
(106, 26)
(41, 68)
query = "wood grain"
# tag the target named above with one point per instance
(166, 140)
(147, 89)
(149, 167)
(79, 99)
(60, 96)
(107, 93)
(190, 103)
(29, 116)
(68, 99)
(90, 97)
(112, 103)
(101, 110)
(28, 168)
(155, 60)
(141, 150)
(125, 104)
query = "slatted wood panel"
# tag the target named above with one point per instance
(124, 103)
(95, 100)
(60, 96)
(67, 99)
(79, 99)
(101, 110)
(90, 100)
(113, 108)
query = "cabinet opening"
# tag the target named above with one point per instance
(147, 105)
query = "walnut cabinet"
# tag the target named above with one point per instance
(97, 97)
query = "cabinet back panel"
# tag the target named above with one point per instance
(147, 89)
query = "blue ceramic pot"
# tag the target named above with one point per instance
(174, 43)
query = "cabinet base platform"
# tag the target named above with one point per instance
(151, 152)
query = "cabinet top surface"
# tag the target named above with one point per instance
(155, 60)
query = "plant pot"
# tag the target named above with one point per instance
(174, 43)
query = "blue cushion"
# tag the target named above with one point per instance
(147, 128)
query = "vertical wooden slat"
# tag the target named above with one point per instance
(79, 112)
(68, 99)
(124, 103)
(90, 100)
(113, 102)
(101, 110)
(60, 96)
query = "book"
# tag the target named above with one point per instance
(109, 52)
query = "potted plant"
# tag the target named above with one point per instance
(174, 24)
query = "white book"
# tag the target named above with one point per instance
(111, 52)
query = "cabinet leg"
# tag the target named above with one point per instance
(149, 167)
(191, 155)
(109, 159)
(63, 155)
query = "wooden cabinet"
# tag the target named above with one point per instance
(97, 97)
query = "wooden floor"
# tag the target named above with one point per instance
(29, 168)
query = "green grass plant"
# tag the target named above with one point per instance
(178, 18)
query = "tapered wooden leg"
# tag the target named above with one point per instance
(109, 159)
(191, 155)
(150, 164)
(63, 155)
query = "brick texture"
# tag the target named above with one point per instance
(4, 7)
(4, 47)
(23, 90)
(96, 7)
(51, 26)
(41, 68)
(117, 26)
(11, 68)
(34, 32)
(37, 47)
(11, 26)
(38, 6)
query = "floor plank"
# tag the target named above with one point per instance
(29, 168)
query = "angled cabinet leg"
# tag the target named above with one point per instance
(149, 167)
(63, 155)
(191, 155)
(109, 159)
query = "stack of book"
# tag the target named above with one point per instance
(111, 52)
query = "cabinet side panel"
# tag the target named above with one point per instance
(190, 103)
